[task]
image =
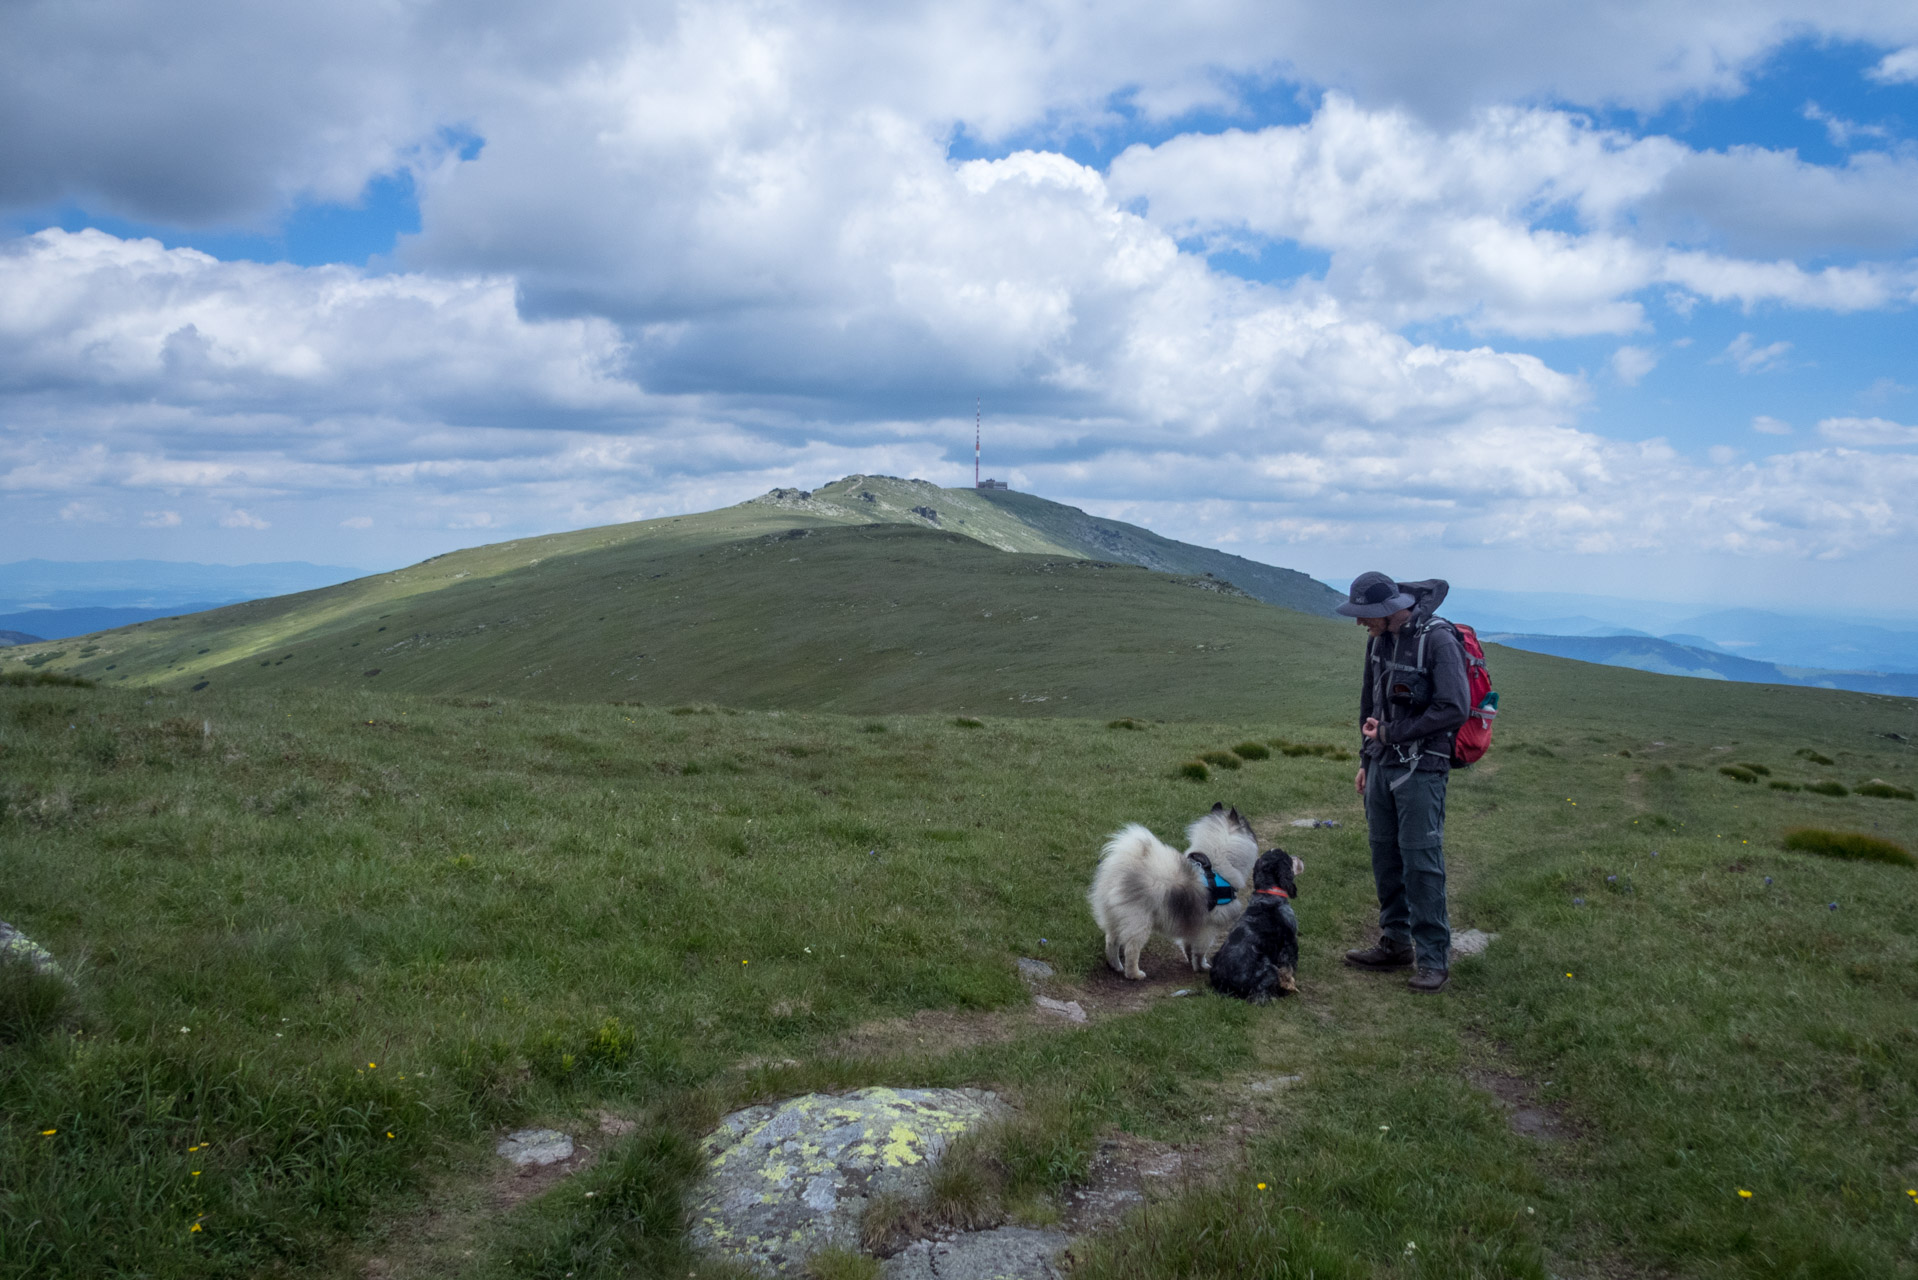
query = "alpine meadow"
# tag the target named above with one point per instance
(615, 832)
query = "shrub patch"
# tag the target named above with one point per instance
(1854, 845)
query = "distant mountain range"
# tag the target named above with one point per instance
(1882, 646)
(30, 586)
(1664, 657)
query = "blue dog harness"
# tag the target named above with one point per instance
(1221, 889)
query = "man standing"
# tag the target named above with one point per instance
(1414, 699)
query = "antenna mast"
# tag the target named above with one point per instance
(977, 417)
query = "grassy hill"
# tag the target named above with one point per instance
(868, 593)
(856, 618)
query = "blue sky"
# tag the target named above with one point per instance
(1621, 298)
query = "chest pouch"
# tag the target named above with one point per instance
(1409, 690)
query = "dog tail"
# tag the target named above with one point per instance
(1142, 877)
(1227, 838)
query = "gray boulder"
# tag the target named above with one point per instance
(788, 1180)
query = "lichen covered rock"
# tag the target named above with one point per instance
(786, 1181)
(21, 949)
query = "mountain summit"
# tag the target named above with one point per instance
(1022, 522)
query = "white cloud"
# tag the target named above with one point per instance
(1769, 426)
(83, 512)
(1840, 130)
(1422, 223)
(1867, 432)
(1900, 67)
(1723, 455)
(357, 522)
(239, 519)
(160, 520)
(709, 249)
(1631, 364)
(134, 105)
(1752, 358)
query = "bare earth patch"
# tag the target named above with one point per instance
(1519, 1099)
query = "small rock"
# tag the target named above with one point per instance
(1068, 1009)
(1471, 942)
(1274, 1084)
(1033, 970)
(1009, 1253)
(535, 1146)
(15, 945)
(1315, 822)
(1182, 991)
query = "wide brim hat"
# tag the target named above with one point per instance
(1375, 595)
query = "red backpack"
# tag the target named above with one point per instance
(1475, 735)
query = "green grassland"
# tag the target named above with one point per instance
(654, 821)
(303, 918)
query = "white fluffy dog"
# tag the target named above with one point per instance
(1144, 884)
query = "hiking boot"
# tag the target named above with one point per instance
(1429, 980)
(1386, 955)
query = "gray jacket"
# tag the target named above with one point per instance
(1403, 732)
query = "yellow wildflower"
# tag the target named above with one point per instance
(1744, 1194)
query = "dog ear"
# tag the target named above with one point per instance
(1218, 806)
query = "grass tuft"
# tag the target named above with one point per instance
(874, 726)
(1759, 769)
(1295, 750)
(1252, 751)
(631, 1224)
(1195, 770)
(33, 1003)
(841, 1264)
(1738, 773)
(1884, 790)
(1828, 788)
(1854, 845)
(969, 722)
(1815, 757)
(1126, 722)
(1223, 759)
(1777, 784)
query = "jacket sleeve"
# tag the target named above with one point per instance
(1450, 692)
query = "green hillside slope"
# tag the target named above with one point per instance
(858, 618)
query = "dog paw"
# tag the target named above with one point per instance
(1137, 975)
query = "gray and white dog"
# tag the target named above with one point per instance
(1194, 897)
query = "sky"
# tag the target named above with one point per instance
(1613, 298)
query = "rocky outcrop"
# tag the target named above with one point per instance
(788, 1180)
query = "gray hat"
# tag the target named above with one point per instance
(1374, 595)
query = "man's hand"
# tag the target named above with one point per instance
(1370, 728)
(1359, 783)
